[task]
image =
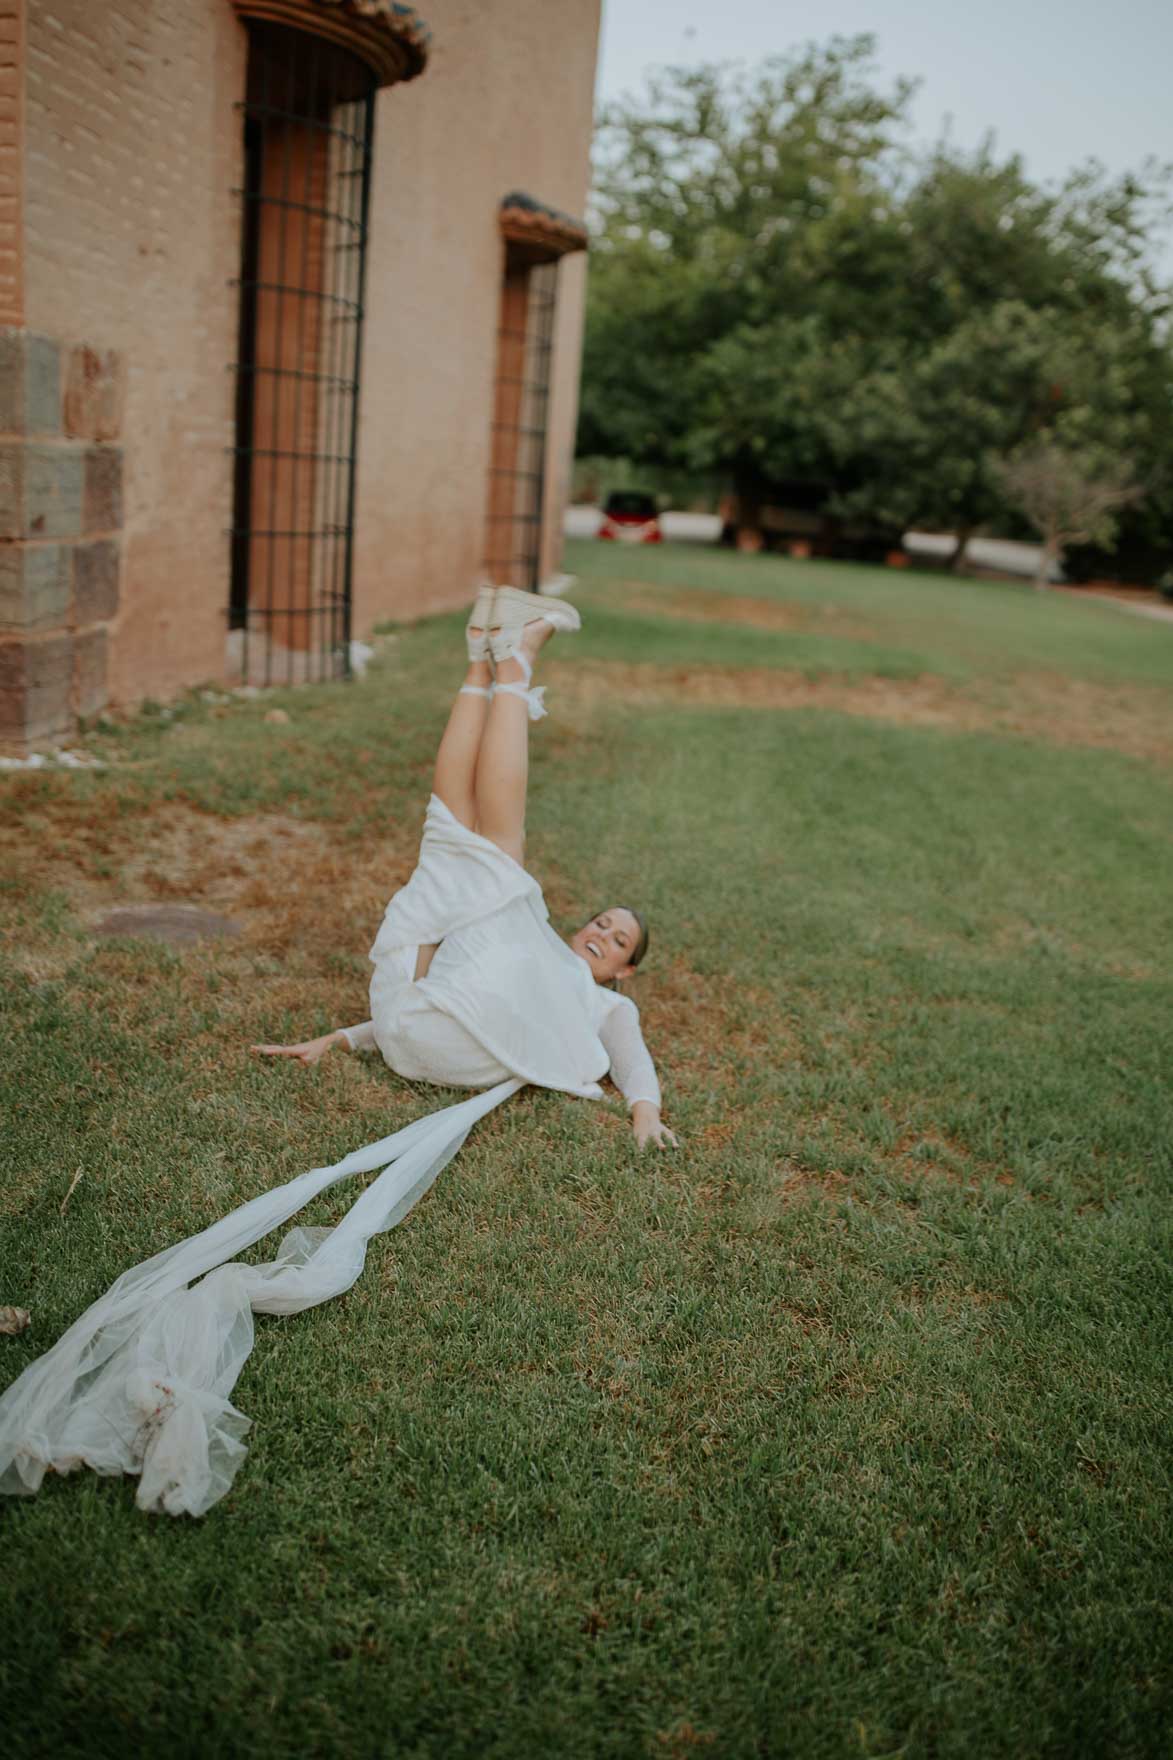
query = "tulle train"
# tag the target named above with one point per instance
(140, 1383)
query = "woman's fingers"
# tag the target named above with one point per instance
(301, 1052)
(658, 1134)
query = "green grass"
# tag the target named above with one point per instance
(841, 1432)
(955, 628)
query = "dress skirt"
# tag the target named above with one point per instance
(504, 996)
(460, 878)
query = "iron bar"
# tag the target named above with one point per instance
(298, 293)
(365, 199)
(294, 207)
(272, 113)
(291, 373)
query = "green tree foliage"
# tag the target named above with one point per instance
(781, 293)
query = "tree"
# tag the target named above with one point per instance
(923, 444)
(780, 292)
(1070, 497)
(723, 205)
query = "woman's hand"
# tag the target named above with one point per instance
(307, 1053)
(645, 1122)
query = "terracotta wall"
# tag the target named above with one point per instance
(131, 238)
(506, 103)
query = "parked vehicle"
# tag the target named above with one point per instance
(631, 518)
(792, 518)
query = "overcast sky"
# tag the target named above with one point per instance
(1058, 81)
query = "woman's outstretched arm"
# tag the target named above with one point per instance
(311, 1050)
(634, 1074)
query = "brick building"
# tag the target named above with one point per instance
(290, 317)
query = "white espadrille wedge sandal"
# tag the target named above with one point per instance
(479, 618)
(512, 610)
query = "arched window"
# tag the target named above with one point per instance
(535, 238)
(308, 112)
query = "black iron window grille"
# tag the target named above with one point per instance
(517, 471)
(308, 128)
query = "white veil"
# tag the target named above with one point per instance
(140, 1383)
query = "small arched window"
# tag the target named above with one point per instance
(535, 239)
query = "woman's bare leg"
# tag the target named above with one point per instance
(502, 771)
(456, 761)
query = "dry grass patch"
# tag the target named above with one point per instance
(690, 605)
(1061, 711)
(286, 881)
(709, 1030)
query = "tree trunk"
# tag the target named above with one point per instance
(747, 520)
(963, 534)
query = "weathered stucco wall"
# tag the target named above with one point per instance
(506, 103)
(131, 239)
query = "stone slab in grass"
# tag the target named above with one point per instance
(179, 924)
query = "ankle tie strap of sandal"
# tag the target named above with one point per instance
(533, 696)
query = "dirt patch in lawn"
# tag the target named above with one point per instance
(1135, 719)
(688, 606)
(286, 882)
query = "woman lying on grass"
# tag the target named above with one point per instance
(471, 985)
(471, 988)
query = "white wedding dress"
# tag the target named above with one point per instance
(140, 1383)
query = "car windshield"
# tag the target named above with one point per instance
(628, 505)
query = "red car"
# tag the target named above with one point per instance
(631, 518)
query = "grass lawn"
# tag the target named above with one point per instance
(841, 1432)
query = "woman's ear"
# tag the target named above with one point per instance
(624, 973)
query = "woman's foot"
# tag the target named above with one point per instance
(519, 668)
(523, 622)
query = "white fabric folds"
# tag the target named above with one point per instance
(500, 971)
(140, 1383)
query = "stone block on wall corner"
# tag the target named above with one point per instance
(12, 693)
(36, 689)
(90, 694)
(30, 383)
(42, 380)
(36, 585)
(95, 393)
(96, 580)
(103, 489)
(52, 479)
(11, 490)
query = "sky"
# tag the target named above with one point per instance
(1058, 81)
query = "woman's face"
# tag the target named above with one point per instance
(607, 943)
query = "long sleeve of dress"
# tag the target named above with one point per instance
(632, 1069)
(360, 1038)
